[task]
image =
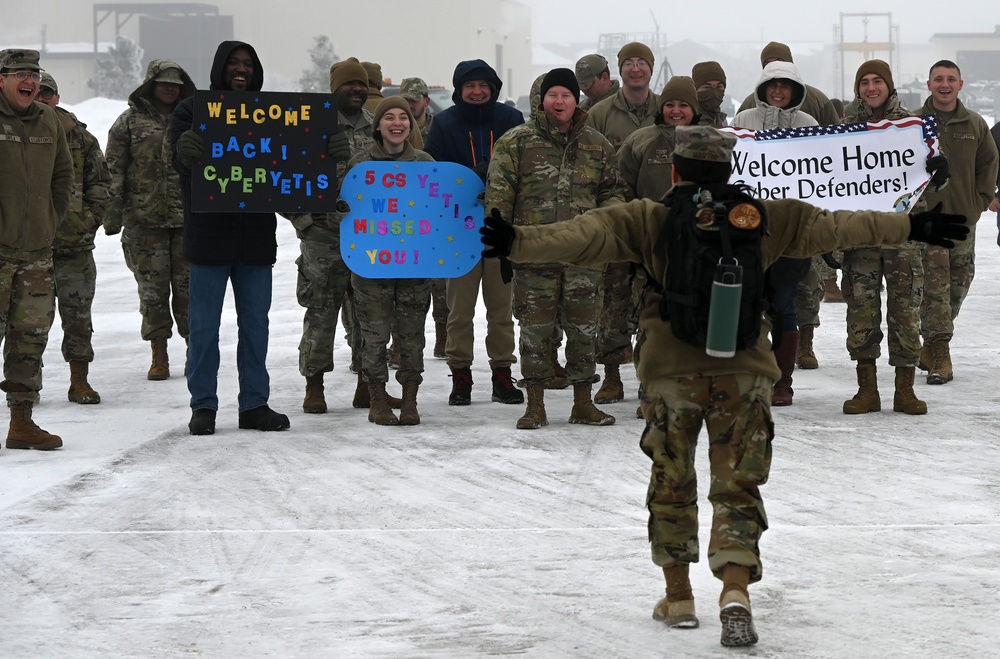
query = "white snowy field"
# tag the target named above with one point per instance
(466, 537)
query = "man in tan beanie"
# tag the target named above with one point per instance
(816, 104)
(375, 96)
(683, 385)
(594, 78)
(710, 83)
(633, 107)
(323, 286)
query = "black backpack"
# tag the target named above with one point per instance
(708, 225)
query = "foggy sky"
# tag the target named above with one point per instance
(564, 21)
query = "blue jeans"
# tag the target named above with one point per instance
(252, 293)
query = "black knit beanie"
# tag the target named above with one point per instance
(560, 78)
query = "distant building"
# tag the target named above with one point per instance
(426, 43)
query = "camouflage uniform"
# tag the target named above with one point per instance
(864, 269)
(34, 156)
(146, 201)
(396, 305)
(324, 281)
(683, 386)
(73, 249)
(540, 176)
(735, 410)
(616, 119)
(586, 104)
(972, 155)
(415, 89)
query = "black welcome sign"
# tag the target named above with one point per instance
(265, 151)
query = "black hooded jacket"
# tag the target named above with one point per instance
(222, 238)
(465, 133)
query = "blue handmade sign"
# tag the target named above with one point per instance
(411, 219)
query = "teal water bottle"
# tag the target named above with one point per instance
(724, 310)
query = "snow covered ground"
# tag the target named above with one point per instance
(466, 537)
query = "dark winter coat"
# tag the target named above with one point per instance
(222, 238)
(466, 133)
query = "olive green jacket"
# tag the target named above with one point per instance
(629, 232)
(36, 176)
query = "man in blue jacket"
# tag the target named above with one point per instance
(465, 133)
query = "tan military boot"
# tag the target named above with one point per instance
(315, 402)
(677, 608)
(926, 357)
(940, 371)
(867, 398)
(408, 415)
(832, 292)
(905, 400)
(160, 367)
(440, 340)
(362, 398)
(23, 433)
(806, 358)
(80, 390)
(611, 390)
(559, 380)
(379, 411)
(534, 416)
(734, 607)
(583, 407)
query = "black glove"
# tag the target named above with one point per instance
(482, 168)
(190, 146)
(937, 228)
(506, 270)
(497, 235)
(937, 167)
(338, 147)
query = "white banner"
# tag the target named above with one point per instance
(875, 166)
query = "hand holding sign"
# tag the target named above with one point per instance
(411, 219)
(190, 147)
(338, 147)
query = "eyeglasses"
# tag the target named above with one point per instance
(23, 74)
(46, 93)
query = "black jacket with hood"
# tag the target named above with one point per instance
(222, 238)
(466, 133)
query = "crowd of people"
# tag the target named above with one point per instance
(576, 196)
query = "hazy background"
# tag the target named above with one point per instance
(731, 20)
(524, 39)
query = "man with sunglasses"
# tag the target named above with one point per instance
(36, 176)
(73, 248)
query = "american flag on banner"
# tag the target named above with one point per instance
(927, 121)
(859, 166)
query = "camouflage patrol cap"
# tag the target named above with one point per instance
(48, 82)
(589, 68)
(413, 89)
(703, 143)
(20, 58)
(170, 75)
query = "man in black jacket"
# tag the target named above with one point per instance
(465, 133)
(222, 248)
